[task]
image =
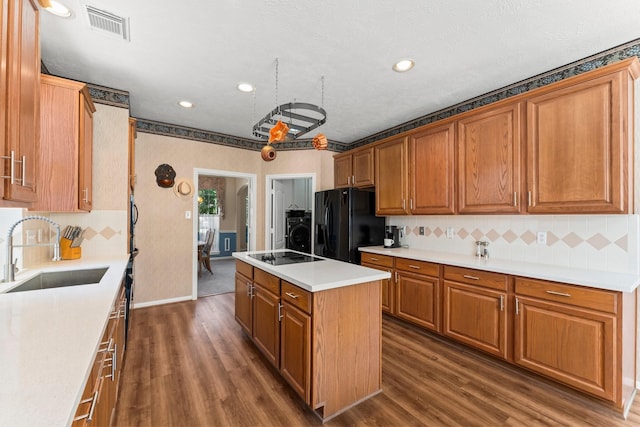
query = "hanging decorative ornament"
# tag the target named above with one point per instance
(268, 153)
(320, 142)
(278, 133)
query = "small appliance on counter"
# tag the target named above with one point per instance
(392, 236)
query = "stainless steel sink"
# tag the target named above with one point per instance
(60, 279)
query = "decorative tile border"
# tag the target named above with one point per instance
(571, 239)
(119, 98)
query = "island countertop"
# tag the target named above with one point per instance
(317, 275)
(48, 341)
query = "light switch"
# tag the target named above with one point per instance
(187, 214)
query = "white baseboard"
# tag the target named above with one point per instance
(161, 302)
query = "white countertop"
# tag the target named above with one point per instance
(592, 278)
(48, 341)
(316, 275)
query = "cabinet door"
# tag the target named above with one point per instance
(363, 167)
(295, 350)
(266, 326)
(85, 177)
(392, 177)
(576, 149)
(22, 101)
(418, 299)
(342, 171)
(489, 161)
(387, 289)
(575, 346)
(476, 316)
(432, 170)
(243, 309)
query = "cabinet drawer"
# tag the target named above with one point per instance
(244, 269)
(266, 280)
(296, 296)
(420, 267)
(476, 277)
(579, 296)
(381, 260)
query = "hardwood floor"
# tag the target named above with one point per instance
(189, 364)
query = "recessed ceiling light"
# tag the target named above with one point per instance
(403, 65)
(56, 8)
(185, 104)
(245, 87)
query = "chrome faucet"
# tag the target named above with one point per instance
(9, 266)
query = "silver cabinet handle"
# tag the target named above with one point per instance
(466, 276)
(85, 198)
(24, 171)
(517, 307)
(561, 294)
(375, 259)
(501, 302)
(279, 312)
(529, 198)
(414, 266)
(89, 416)
(411, 204)
(12, 167)
(353, 180)
(291, 295)
(249, 293)
(515, 198)
(396, 274)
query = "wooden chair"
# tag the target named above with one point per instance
(200, 247)
(205, 260)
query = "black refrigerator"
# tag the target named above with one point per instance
(344, 219)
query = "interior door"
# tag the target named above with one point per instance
(278, 221)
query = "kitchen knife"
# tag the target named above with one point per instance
(77, 241)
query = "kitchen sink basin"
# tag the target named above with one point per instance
(60, 279)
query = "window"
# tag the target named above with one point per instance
(208, 202)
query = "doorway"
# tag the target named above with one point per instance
(286, 194)
(226, 205)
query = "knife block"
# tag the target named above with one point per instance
(67, 252)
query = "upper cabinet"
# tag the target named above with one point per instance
(580, 144)
(354, 169)
(66, 146)
(432, 170)
(19, 101)
(392, 190)
(489, 161)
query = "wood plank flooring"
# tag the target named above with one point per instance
(189, 364)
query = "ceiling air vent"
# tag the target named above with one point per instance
(108, 23)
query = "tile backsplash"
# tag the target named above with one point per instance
(596, 242)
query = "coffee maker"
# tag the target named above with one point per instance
(392, 232)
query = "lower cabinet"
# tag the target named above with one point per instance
(418, 292)
(475, 309)
(579, 336)
(100, 394)
(325, 344)
(387, 288)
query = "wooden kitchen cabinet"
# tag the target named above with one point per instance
(489, 160)
(591, 326)
(432, 170)
(387, 288)
(243, 296)
(354, 168)
(100, 395)
(475, 309)
(391, 177)
(417, 296)
(19, 101)
(295, 339)
(266, 315)
(66, 146)
(580, 143)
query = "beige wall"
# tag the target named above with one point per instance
(165, 265)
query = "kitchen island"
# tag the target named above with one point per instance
(48, 342)
(317, 321)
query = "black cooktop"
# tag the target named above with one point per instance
(285, 257)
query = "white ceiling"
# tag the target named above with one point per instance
(201, 49)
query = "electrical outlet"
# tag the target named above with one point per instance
(542, 238)
(421, 231)
(449, 232)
